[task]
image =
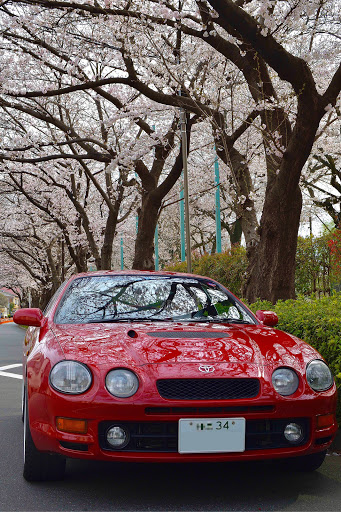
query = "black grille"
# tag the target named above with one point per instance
(189, 334)
(144, 437)
(267, 434)
(163, 436)
(207, 389)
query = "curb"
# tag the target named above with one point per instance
(6, 321)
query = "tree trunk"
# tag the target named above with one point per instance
(107, 247)
(271, 271)
(144, 245)
(235, 232)
(245, 210)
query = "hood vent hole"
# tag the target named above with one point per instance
(132, 333)
(189, 334)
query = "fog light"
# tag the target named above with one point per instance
(293, 433)
(117, 437)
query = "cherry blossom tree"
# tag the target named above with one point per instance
(274, 52)
(31, 255)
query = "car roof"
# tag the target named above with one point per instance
(137, 273)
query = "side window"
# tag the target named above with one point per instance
(53, 299)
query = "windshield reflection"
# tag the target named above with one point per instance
(120, 298)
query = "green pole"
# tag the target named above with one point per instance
(156, 236)
(217, 204)
(122, 261)
(182, 224)
(156, 247)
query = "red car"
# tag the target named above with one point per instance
(166, 367)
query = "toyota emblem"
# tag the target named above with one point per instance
(206, 368)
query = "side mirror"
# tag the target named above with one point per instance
(268, 318)
(33, 317)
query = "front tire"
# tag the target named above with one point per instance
(39, 466)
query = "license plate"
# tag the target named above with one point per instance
(211, 435)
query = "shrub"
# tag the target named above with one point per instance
(228, 268)
(313, 265)
(316, 321)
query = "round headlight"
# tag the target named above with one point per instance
(319, 376)
(122, 383)
(70, 377)
(285, 381)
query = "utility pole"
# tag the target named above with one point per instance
(217, 205)
(186, 194)
(156, 245)
(184, 157)
(182, 221)
(122, 258)
(63, 260)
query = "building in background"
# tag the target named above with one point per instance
(13, 303)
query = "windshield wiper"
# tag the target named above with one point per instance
(221, 321)
(107, 320)
(132, 320)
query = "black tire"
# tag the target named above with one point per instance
(306, 463)
(39, 466)
(23, 391)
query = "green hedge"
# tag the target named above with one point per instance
(228, 268)
(316, 321)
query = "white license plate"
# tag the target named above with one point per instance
(211, 435)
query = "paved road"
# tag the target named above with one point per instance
(95, 486)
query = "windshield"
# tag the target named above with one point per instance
(135, 298)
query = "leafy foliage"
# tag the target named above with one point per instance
(316, 321)
(313, 265)
(334, 244)
(228, 268)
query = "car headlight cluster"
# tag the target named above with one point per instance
(319, 376)
(70, 377)
(74, 378)
(285, 381)
(121, 383)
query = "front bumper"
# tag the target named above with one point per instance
(265, 423)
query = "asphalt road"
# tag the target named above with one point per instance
(97, 486)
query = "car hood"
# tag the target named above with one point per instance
(171, 344)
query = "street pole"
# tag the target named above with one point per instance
(156, 244)
(217, 205)
(182, 222)
(63, 260)
(156, 234)
(186, 198)
(122, 261)
(183, 129)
